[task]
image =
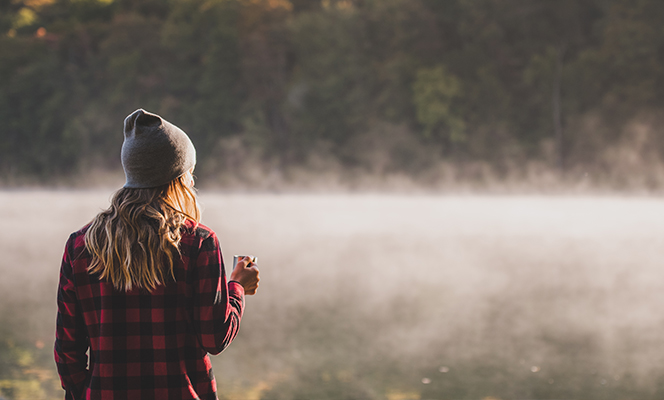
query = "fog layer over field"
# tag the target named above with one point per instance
(394, 297)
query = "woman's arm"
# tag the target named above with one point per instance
(218, 304)
(71, 343)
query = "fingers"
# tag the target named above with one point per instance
(247, 262)
(247, 274)
(252, 285)
(250, 290)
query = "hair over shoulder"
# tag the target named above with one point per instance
(135, 242)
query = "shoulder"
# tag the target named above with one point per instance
(201, 231)
(75, 250)
(198, 239)
(76, 241)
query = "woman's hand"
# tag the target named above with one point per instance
(246, 273)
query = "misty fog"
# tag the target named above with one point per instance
(395, 296)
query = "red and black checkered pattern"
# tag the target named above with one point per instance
(146, 345)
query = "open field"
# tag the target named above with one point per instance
(391, 297)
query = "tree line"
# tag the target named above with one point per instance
(373, 85)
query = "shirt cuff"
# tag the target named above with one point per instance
(234, 287)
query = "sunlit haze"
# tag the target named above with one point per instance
(401, 297)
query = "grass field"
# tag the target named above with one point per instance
(391, 297)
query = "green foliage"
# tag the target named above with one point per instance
(24, 374)
(290, 76)
(434, 92)
(334, 74)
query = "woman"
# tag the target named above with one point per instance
(142, 287)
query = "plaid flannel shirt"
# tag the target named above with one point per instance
(145, 345)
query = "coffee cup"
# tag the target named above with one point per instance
(236, 258)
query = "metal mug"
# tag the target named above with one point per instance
(237, 257)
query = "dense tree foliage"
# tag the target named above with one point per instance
(502, 83)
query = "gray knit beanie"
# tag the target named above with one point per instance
(154, 151)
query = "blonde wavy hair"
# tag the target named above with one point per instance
(135, 242)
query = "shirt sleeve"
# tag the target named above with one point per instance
(71, 341)
(218, 304)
